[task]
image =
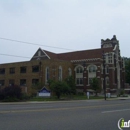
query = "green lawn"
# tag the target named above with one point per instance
(64, 98)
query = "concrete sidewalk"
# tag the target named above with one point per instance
(89, 100)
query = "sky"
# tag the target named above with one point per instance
(61, 26)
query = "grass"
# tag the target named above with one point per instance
(43, 99)
(54, 98)
(65, 98)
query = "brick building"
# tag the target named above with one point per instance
(82, 65)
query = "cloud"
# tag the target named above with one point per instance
(74, 24)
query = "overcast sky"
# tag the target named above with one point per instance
(70, 24)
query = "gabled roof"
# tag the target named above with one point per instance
(43, 55)
(51, 54)
(78, 55)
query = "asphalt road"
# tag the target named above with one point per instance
(66, 115)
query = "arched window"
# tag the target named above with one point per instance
(79, 70)
(47, 74)
(107, 81)
(70, 71)
(39, 53)
(107, 69)
(60, 73)
(79, 75)
(92, 69)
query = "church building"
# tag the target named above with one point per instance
(83, 65)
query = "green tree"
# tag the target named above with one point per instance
(95, 85)
(50, 81)
(11, 92)
(127, 70)
(59, 88)
(71, 83)
(37, 87)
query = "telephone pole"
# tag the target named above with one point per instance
(104, 83)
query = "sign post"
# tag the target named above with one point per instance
(88, 95)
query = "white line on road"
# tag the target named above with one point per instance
(31, 107)
(116, 111)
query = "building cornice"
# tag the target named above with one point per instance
(82, 60)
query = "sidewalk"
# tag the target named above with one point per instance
(119, 98)
(89, 100)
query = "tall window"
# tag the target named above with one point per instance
(110, 58)
(79, 75)
(107, 81)
(79, 81)
(47, 74)
(107, 69)
(39, 53)
(90, 80)
(92, 69)
(70, 71)
(60, 73)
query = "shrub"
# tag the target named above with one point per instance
(11, 92)
(59, 88)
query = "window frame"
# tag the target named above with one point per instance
(47, 74)
(23, 69)
(12, 70)
(92, 69)
(11, 82)
(2, 71)
(60, 73)
(79, 81)
(107, 69)
(35, 68)
(35, 81)
(23, 82)
(2, 82)
(107, 81)
(79, 70)
(70, 72)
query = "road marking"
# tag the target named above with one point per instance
(57, 109)
(33, 107)
(116, 111)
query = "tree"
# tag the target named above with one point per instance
(127, 70)
(71, 83)
(95, 85)
(50, 81)
(11, 92)
(59, 88)
(37, 87)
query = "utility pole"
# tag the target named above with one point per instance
(40, 73)
(84, 76)
(104, 83)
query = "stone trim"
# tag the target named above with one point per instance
(94, 59)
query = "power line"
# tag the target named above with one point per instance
(31, 43)
(14, 56)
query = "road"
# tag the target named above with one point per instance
(66, 115)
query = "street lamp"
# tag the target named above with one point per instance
(104, 84)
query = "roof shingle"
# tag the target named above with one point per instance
(78, 55)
